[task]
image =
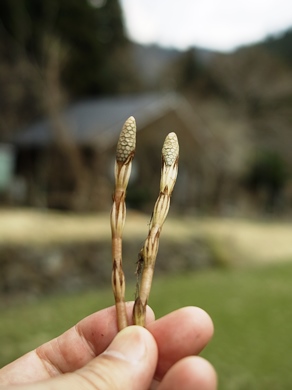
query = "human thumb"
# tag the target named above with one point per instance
(128, 363)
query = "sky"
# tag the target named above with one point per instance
(221, 25)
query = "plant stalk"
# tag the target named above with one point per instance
(124, 155)
(148, 254)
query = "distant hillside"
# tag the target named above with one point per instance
(257, 80)
(281, 45)
(153, 61)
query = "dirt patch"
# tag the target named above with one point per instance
(42, 252)
(256, 241)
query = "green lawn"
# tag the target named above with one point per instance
(251, 310)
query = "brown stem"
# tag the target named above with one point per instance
(124, 156)
(149, 251)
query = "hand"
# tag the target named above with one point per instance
(94, 356)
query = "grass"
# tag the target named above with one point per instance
(250, 307)
(23, 327)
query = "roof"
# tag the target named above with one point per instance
(100, 120)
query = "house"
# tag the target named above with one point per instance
(67, 161)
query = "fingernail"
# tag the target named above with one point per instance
(129, 344)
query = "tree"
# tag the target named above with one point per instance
(192, 75)
(267, 175)
(281, 45)
(53, 51)
(91, 35)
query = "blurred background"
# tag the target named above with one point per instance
(220, 76)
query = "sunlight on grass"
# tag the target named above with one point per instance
(251, 310)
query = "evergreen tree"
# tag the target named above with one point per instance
(91, 32)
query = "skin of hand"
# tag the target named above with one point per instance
(94, 356)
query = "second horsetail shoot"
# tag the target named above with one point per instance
(147, 255)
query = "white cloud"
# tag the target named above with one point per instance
(220, 25)
(139, 22)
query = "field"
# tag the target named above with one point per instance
(250, 303)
